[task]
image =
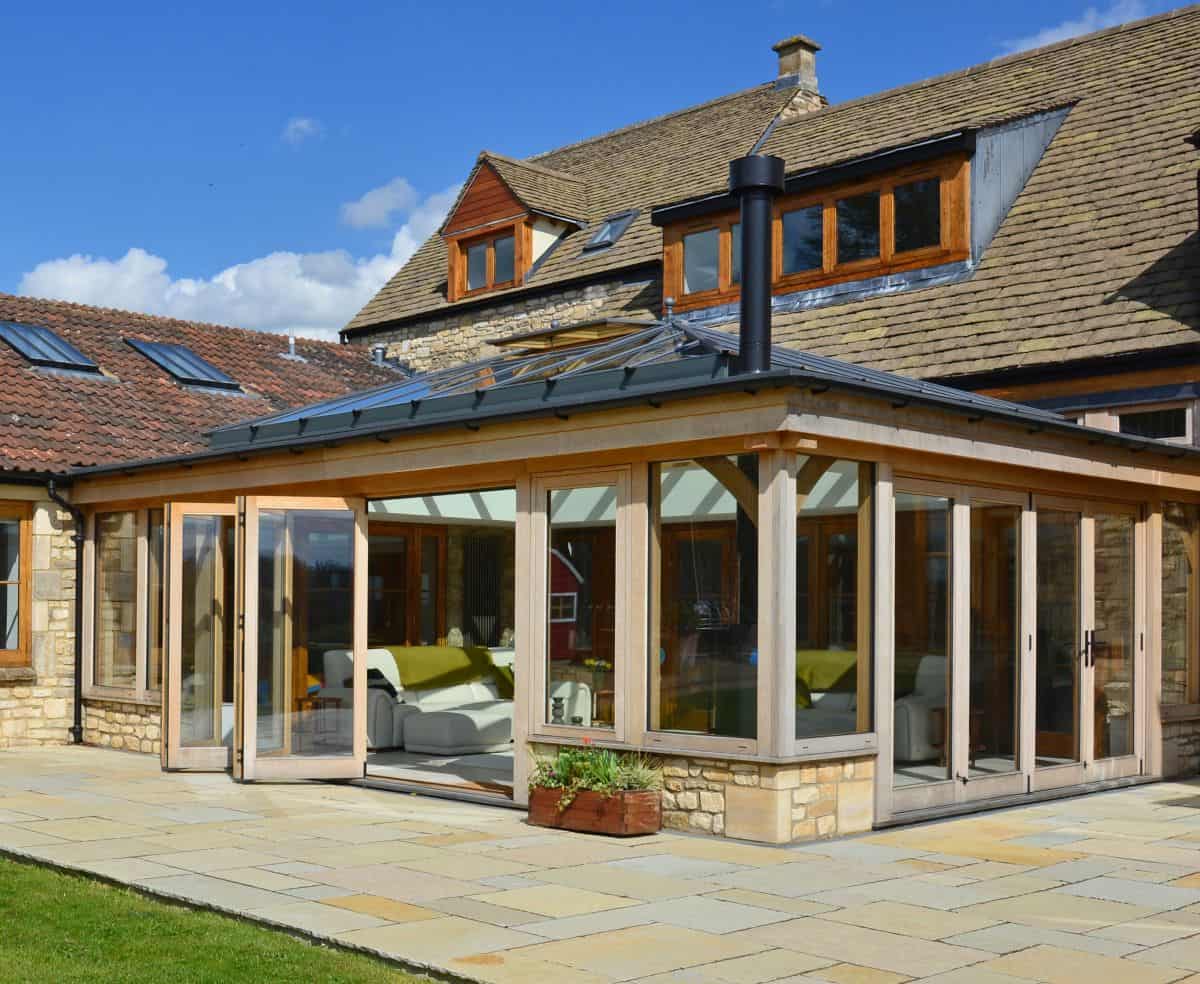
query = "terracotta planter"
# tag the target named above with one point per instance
(623, 814)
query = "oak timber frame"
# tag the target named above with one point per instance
(901, 447)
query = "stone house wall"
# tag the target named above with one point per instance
(436, 343)
(132, 726)
(36, 702)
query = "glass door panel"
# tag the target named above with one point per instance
(921, 722)
(994, 709)
(1059, 644)
(1110, 645)
(201, 635)
(304, 690)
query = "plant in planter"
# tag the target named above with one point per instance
(596, 790)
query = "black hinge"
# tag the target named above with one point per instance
(241, 621)
(1142, 641)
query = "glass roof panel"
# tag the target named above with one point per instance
(44, 348)
(184, 364)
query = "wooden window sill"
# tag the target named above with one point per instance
(148, 699)
(660, 751)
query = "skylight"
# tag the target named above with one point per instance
(44, 348)
(611, 229)
(184, 364)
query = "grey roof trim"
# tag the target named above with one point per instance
(1170, 393)
(543, 332)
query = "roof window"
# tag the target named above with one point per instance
(44, 348)
(184, 364)
(611, 229)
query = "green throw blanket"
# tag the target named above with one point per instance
(432, 667)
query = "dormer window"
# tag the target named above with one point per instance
(911, 218)
(490, 263)
(508, 215)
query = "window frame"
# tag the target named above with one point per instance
(22, 656)
(521, 232)
(955, 245)
(139, 693)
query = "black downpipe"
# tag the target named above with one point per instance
(756, 180)
(77, 539)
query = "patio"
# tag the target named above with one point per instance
(1102, 888)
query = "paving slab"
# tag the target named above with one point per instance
(1010, 937)
(1146, 894)
(1055, 965)
(555, 900)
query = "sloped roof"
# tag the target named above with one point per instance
(1097, 257)
(543, 189)
(635, 167)
(52, 421)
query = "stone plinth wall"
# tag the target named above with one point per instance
(440, 342)
(1181, 748)
(121, 724)
(774, 804)
(36, 702)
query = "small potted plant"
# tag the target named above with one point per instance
(596, 791)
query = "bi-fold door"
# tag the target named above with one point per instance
(266, 627)
(1018, 644)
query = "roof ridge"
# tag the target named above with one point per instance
(1003, 60)
(518, 162)
(163, 318)
(651, 121)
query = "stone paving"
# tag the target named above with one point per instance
(1103, 889)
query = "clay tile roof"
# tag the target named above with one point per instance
(52, 421)
(1092, 260)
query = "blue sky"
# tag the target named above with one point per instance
(271, 168)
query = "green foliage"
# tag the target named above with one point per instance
(70, 930)
(597, 770)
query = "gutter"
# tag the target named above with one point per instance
(77, 539)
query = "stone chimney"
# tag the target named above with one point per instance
(798, 71)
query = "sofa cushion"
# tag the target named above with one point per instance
(428, 668)
(485, 726)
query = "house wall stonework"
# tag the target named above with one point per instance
(441, 342)
(1181, 748)
(134, 727)
(36, 704)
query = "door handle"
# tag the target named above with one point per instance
(1089, 650)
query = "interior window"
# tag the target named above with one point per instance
(803, 239)
(701, 252)
(918, 214)
(858, 227)
(504, 268)
(735, 253)
(704, 641)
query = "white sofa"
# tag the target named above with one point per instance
(831, 713)
(385, 713)
(913, 722)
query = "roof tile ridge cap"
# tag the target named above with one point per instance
(1003, 61)
(661, 118)
(541, 168)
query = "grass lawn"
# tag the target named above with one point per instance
(61, 928)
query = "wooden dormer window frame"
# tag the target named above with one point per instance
(954, 244)
(459, 248)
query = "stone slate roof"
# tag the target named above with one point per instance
(53, 421)
(543, 189)
(1097, 257)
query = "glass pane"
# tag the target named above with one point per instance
(832, 687)
(581, 653)
(858, 227)
(1179, 555)
(1158, 424)
(154, 599)
(504, 262)
(116, 599)
(921, 718)
(704, 663)
(207, 631)
(1112, 640)
(477, 266)
(387, 588)
(995, 639)
(735, 253)
(306, 605)
(803, 239)
(10, 549)
(918, 207)
(700, 252)
(10, 590)
(1058, 642)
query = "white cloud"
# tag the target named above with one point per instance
(374, 210)
(1092, 19)
(311, 294)
(301, 128)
